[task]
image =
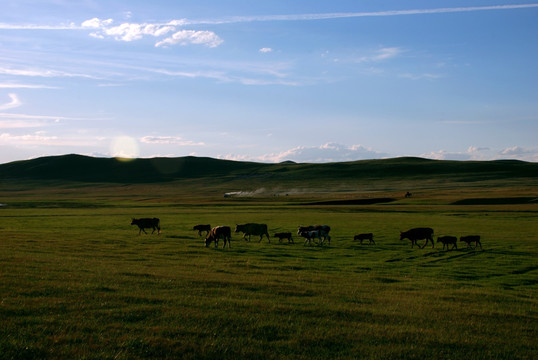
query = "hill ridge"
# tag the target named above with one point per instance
(75, 167)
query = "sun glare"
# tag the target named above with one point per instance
(124, 148)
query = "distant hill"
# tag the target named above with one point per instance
(111, 170)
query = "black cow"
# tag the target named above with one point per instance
(365, 236)
(253, 229)
(200, 228)
(146, 223)
(323, 231)
(418, 234)
(218, 232)
(471, 238)
(284, 235)
(448, 240)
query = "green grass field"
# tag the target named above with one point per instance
(77, 281)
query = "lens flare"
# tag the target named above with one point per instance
(124, 148)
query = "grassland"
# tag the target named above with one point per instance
(76, 280)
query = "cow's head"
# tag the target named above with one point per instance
(209, 240)
(238, 228)
(133, 221)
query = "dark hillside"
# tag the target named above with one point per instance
(90, 169)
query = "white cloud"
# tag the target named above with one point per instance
(134, 31)
(515, 150)
(329, 152)
(265, 50)
(96, 23)
(169, 140)
(15, 102)
(186, 37)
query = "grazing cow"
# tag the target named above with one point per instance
(470, 239)
(284, 235)
(448, 240)
(323, 230)
(366, 236)
(253, 229)
(418, 234)
(200, 228)
(146, 223)
(218, 232)
(309, 235)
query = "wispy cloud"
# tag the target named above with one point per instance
(186, 37)
(25, 86)
(339, 15)
(15, 102)
(46, 73)
(169, 140)
(382, 54)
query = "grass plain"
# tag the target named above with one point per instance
(77, 281)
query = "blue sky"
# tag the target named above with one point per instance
(268, 81)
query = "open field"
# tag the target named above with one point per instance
(76, 280)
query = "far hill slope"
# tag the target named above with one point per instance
(90, 169)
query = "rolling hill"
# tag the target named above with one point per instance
(110, 170)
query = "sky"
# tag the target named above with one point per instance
(269, 80)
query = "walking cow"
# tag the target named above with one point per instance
(253, 229)
(366, 236)
(470, 239)
(284, 235)
(200, 228)
(418, 234)
(448, 240)
(146, 223)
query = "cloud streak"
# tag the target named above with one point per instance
(15, 102)
(341, 15)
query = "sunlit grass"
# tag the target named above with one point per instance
(78, 282)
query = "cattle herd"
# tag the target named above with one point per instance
(318, 233)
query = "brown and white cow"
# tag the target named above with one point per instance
(217, 233)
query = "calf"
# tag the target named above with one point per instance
(284, 235)
(470, 239)
(309, 235)
(323, 231)
(200, 228)
(418, 234)
(366, 236)
(448, 240)
(146, 223)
